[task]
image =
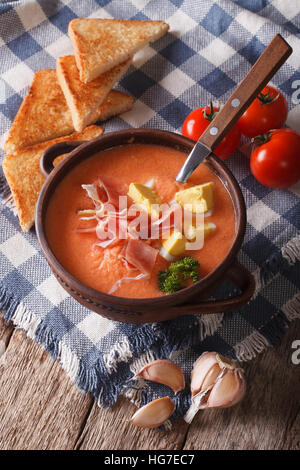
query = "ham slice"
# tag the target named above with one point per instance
(105, 194)
(112, 189)
(106, 189)
(140, 255)
(92, 192)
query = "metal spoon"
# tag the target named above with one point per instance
(257, 78)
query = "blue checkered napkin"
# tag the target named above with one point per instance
(210, 48)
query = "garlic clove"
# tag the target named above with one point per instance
(154, 413)
(164, 372)
(200, 370)
(211, 377)
(227, 391)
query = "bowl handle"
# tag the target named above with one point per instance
(46, 161)
(240, 276)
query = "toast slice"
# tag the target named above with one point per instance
(45, 115)
(42, 116)
(100, 44)
(83, 99)
(22, 171)
(115, 103)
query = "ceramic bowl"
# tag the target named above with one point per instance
(191, 300)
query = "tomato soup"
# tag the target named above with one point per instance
(101, 268)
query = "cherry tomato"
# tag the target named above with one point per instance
(276, 163)
(199, 119)
(268, 111)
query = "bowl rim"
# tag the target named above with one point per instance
(89, 147)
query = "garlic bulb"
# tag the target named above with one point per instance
(216, 382)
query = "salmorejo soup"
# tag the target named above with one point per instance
(121, 224)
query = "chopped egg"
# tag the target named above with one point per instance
(199, 198)
(192, 231)
(145, 197)
(166, 255)
(175, 243)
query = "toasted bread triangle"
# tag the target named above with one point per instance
(83, 99)
(100, 44)
(22, 171)
(115, 103)
(44, 113)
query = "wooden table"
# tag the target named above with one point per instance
(40, 407)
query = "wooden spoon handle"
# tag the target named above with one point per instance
(260, 74)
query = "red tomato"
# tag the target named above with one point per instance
(199, 119)
(268, 111)
(276, 163)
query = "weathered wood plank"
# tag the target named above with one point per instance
(268, 417)
(40, 408)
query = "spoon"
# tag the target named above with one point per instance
(257, 78)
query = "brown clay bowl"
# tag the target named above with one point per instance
(191, 300)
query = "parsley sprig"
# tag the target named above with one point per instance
(173, 278)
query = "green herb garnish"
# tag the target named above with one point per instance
(173, 278)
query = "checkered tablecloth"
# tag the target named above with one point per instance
(209, 49)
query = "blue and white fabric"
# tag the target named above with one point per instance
(209, 49)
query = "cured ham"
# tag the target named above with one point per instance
(106, 190)
(106, 194)
(112, 189)
(141, 255)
